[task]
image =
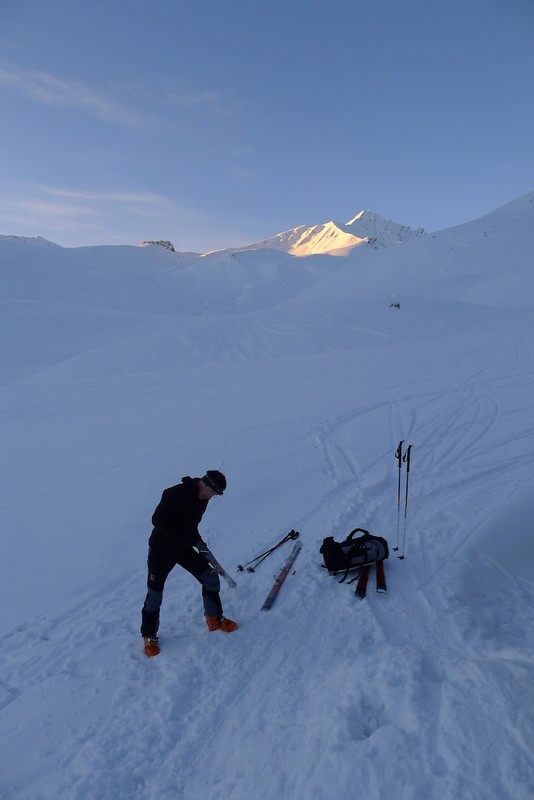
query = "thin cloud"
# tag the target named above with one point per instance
(77, 216)
(173, 95)
(106, 197)
(243, 152)
(209, 100)
(43, 204)
(47, 89)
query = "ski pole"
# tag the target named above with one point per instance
(398, 456)
(256, 561)
(406, 459)
(262, 556)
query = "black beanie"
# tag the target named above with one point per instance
(215, 480)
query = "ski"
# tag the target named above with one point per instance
(361, 587)
(282, 575)
(381, 585)
(218, 568)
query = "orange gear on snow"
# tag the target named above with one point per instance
(151, 646)
(224, 624)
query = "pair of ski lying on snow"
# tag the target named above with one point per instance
(360, 553)
(151, 644)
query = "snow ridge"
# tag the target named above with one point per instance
(32, 241)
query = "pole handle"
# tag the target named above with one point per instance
(406, 457)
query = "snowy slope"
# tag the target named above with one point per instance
(124, 369)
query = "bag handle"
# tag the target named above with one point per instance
(357, 530)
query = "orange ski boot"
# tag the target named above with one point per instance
(151, 646)
(224, 624)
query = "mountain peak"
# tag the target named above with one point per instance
(338, 239)
(357, 217)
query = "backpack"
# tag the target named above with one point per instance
(353, 553)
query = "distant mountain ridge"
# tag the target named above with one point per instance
(33, 241)
(336, 238)
(329, 238)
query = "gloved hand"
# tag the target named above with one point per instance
(204, 550)
(202, 547)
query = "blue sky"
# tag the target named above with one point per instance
(222, 122)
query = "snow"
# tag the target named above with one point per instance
(336, 238)
(125, 368)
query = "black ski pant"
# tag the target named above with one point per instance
(159, 567)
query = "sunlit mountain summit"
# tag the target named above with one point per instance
(337, 238)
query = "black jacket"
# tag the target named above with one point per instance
(176, 519)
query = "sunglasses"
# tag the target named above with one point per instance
(212, 486)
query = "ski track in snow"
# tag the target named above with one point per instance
(115, 725)
(423, 693)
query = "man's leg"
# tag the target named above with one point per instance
(200, 568)
(158, 570)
